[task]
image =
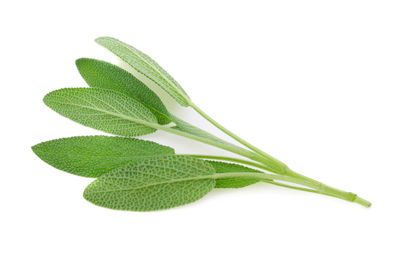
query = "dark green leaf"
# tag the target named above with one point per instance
(101, 74)
(93, 156)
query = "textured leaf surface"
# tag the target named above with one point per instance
(93, 156)
(146, 66)
(102, 109)
(101, 74)
(222, 167)
(153, 184)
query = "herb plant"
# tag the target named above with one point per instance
(140, 175)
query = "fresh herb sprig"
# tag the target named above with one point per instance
(140, 175)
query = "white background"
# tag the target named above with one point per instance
(314, 83)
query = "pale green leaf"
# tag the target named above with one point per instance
(153, 184)
(146, 66)
(233, 182)
(102, 109)
(101, 74)
(93, 156)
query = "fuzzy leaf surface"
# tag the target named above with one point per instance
(93, 156)
(102, 109)
(100, 74)
(146, 66)
(153, 184)
(240, 182)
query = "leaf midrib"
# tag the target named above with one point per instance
(122, 116)
(202, 177)
(214, 176)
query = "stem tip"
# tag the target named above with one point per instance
(362, 202)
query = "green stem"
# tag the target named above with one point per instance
(261, 176)
(282, 168)
(268, 177)
(249, 163)
(299, 188)
(267, 157)
(319, 187)
(358, 200)
(328, 189)
(362, 202)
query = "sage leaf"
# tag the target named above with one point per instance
(93, 156)
(102, 109)
(100, 74)
(237, 182)
(153, 184)
(146, 66)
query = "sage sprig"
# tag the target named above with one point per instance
(140, 175)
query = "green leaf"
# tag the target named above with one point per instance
(102, 109)
(153, 184)
(237, 182)
(93, 156)
(146, 66)
(101, 74)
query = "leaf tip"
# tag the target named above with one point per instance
(82, 64)
(46, 98)
(88, 194)
(49, 98)
(101, 39)
(80, 61)
(34, 148)
(37, 150)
